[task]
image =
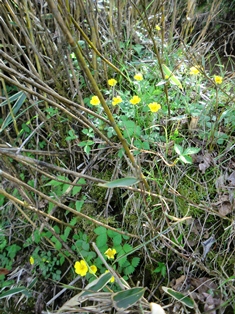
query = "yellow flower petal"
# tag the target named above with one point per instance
(81, 268)
(92, 269)
(95, 101)
(154, 107)
(194, 70)
(110, 253)
(116, 100)
(138, 77)
(31, 260)
(135, 100)
(112, 82)
(112, 279)
(158, 28)
(218, 79)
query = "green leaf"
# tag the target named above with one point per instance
(135, 261)
(21, 96)
(76, 189)
(129, 270)
(173, 79)
(93, 287)
(191, 150)
(117, 240)
(124, 182)
(100, 230)
(101, 240)
(78, 205)
(127, 248)
(13, 291)
(179, 297)
(186, 159)
(124, 299)
(178, 149)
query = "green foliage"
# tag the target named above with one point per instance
(161, 269)
(169, 104)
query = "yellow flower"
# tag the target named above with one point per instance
(154, 107)
(112, 279)
(112, 82)
(81, 268)
(166, 76)
(138, 77)
(95, 101)
(135, 100)
(158, 28)
(31, 260)
(110, 253)
(92, 269)
(218, 79)
(194, 71)
(116, 100)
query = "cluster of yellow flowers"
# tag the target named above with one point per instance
(154, 107)
(195, 70)
(81, 267)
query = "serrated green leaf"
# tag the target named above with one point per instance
(117, 240)
(127, 248)
(173, 79)
(129, 270)
(101, 240)
(124, 182)
(124, 299)
(75, 190)
(135, 261)
(179, 297)
(78, 205)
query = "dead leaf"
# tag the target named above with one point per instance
(4, 271)
(205, 162)
(225, 208)
(203, 284)
(207, 244)
(231, 179)
(220, 183)
(211, 303)
(178, 283)
(193, 123)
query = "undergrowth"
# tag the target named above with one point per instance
(116, 160)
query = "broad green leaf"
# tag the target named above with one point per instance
(186, 159)
(191, 150)
(124, 182)
(124, 299)
(100, 230)
(97, 284)
(101, 240)
(173, 79)
(178, 149)
(179, 297)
